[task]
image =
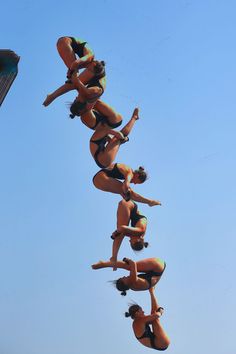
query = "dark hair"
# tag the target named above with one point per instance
(142, 174)
(138, 246)
(132, 310)
(76, 108)
(121, 286)
(99, 69)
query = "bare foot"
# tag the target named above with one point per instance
(135, 113)
(97, 265)
(113, 261)
(48, 100)
(154, 202)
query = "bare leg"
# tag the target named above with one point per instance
(109, 264)
(123, 213)
(65, 51)
(115, 249)
(161, 339)
(107, 156)
(129, 126)
(89, 119)
(84, 77)
(144, 265)
(58, 92)
(123, 218)
(112, 116)
(107, 184)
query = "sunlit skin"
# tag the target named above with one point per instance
(73, 64)
(78, 83)
(113, 185)
(107, 155)
(90, 95)
(140, 320)
(89, 118)
(143, 266)
(67, 54)
(135, 233)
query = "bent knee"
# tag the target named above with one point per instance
(165, 345)
(95, 180)
(124, 204)
(62, 41)
(119, 117)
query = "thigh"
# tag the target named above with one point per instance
(160, 339)
(107, 111)
(89, 119)
(107, 184)
(65, 50)
(85, 76)
(123, 212)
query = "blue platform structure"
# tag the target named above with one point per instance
(8, 71)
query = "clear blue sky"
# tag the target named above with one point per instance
(176, 61)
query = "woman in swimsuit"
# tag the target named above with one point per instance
(108, 180)
(90, 83)
(127, 212)
(103, 147)
(151, 271)
(75, 53)
(69, 49)
(147, 328)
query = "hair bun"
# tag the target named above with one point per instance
(141, 168)
(72, 116)
(145, 244)
(127, 314)
(123, 293)
(103, 62)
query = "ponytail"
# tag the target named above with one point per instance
(132, 310)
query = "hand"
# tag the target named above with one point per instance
(126, 260)
(75, 65)
(113, 261)
(115, 234)
(154, 202)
